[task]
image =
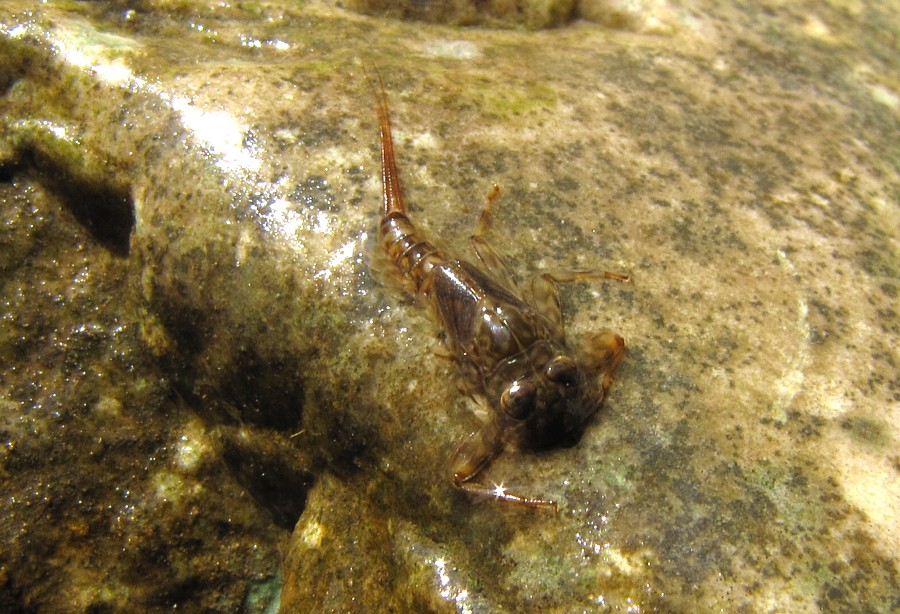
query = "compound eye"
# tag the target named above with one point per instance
(562, 370)
(518, 400)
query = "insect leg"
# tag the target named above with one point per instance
(570, 276)
(501, 494)
(486, 254)
(485, 220)
(605, 354)
(475, 453)
(545, 289)
(478, 450)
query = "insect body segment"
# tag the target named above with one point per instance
(509, 343)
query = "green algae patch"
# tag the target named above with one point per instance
(511, 102)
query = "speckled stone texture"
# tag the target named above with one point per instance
(214, 397)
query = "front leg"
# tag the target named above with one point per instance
(545, 290)
(604, 354)
(471, 458)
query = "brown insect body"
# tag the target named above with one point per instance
(509, 343)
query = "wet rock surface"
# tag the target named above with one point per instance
(214, 402)
(656, 16)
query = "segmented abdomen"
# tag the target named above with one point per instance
(410, 251)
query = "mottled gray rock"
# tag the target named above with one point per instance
(204, 352)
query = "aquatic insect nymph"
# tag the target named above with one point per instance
(508, 341)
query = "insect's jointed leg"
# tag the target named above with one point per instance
(486, 254)
(607, 349)
(475, 453)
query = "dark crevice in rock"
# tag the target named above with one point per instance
(268, 392)
(8, 171)
(11, 599)
(252, 404)
(274, 473)
(104, 210)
